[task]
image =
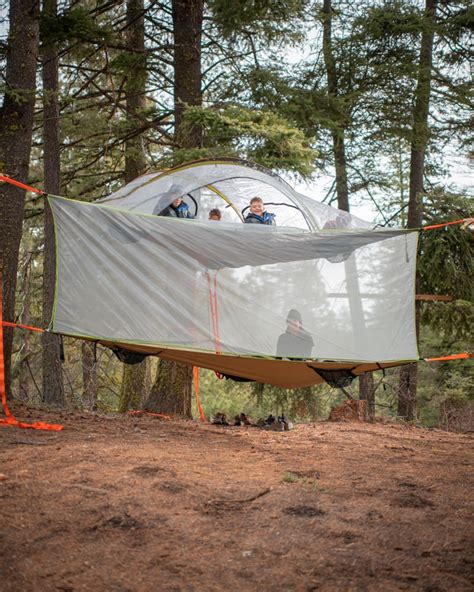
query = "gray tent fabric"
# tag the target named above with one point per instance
(197, 286)
(319, 294)
(228, 184)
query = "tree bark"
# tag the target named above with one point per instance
(89, 375)
(419, 142)
(135, 87)
(338, 139)
(53, 384)
(187, 27)
(20, 369)
(171, 392)
(367, 393)
(16, 125)
(133, 376)
(132, 392)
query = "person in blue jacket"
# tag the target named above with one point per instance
(257, 214)
(177, 209)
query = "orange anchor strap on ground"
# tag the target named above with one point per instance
(461, 356)
(9, 419)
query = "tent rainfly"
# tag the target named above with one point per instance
(319, 297)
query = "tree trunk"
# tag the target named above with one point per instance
(171, 392)
(16, 125)
(133, 386)
(367, 393)
(187, 26)
(21, 369)
(53, 385)
(133, 376)
(407, 392)
(89, 375)
(339, 149)
(419, 142)
(135, 87)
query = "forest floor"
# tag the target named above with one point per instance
(138, 503)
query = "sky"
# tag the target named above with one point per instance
(460, 178)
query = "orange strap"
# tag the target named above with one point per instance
(434, 226)
(9, 419)
(214, 311)
(7, 179)
(214, 317)
(162, 415)
(16, 325)
(463, 356)
(196, 390)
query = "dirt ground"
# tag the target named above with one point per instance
(137, 503)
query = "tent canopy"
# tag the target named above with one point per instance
(228, 184)
(224, 295)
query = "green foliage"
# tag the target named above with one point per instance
(446, 390)
(74, 24)
(223, 396)
(258, 400)
(272, 19)
(391, 20)
(132, 66)
(258, 135)
(452, 320)
(300, 403)
(447, 256)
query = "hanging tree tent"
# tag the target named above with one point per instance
(219, 294)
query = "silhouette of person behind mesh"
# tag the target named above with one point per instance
(295, 342)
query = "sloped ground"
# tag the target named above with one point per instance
(137, 503)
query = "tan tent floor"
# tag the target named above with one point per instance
(282, 373)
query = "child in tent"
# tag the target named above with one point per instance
(295, 342)
(257, 214)
(215, 214)
(177, 209)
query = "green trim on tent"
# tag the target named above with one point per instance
(186, 348)
(56, 263)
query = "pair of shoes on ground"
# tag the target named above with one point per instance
(222, 419)
(278, 424)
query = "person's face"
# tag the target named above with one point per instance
(176, 202)
(214, 217)
(294, 326)
(256, 208)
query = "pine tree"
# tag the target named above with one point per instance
(134, 376)
(53, 387)
(16, 125)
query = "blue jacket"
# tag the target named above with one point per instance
(267, 218)
(182, 211)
